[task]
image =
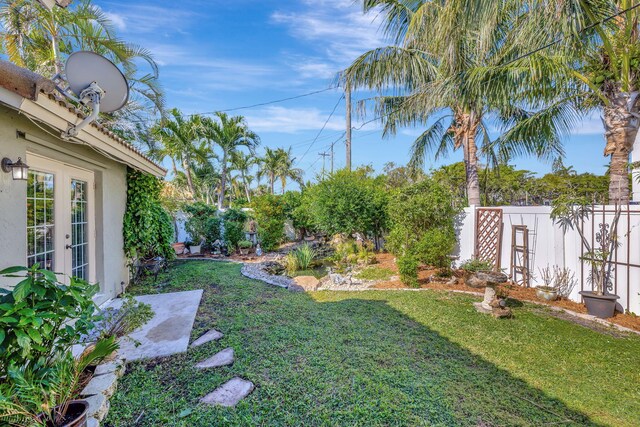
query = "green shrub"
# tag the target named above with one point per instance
(305, 255)
(474, 265)
(234, 221)
(297, 208)
(41, 317)
(147, 228)
(408, 269)
(269, 212)
(422, 223)
(245, 244)
(349, 202)
(201, 222)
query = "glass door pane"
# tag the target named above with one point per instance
(79, 230)
(40, 220)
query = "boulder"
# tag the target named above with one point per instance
(307, 283)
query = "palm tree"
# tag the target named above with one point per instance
(438, 47)
(180, 141)
(286, 169)
(269, 165)
(229, 134)
(278, 164)
(242, 163)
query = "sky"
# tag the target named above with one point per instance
(222, 54)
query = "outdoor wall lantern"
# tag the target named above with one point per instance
(19, 170)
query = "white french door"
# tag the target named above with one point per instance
(61, 218)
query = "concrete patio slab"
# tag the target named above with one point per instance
(229, 393)
(170, 329)
(222, 358)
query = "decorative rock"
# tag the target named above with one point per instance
(102, 384)
(212, 335)
(229, 393)
(307, 283)
(492, 276)
(117, 367)
(98, 406)
(222, 358)
(92, 422)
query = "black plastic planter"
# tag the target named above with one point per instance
(602, 306)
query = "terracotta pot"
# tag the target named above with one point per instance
(602, 306)
(244, 251)
(178, 248)
(76, 409)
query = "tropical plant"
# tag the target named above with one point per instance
(234, 225)
(278, 164)
(130, 316)
(201, 222)
(242, 163)
(41, 317)
(42, 396)
(228, 134)
(305, 255)
(438, 47)
(245, 244)
(180, 141)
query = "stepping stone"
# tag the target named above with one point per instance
(222, 358)
(229, 393)
(212, 335)
(102, 384)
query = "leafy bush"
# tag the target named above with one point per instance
(41, 317)
(408, 269)
(435, 246)
(269, 212)
(234, 220)
(349, 253)
(203, 223)
(475, 265)
(245, 244)
(349, 202)
(147, 227)
(291, 263)
(297, 209)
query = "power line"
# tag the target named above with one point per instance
(335, 107)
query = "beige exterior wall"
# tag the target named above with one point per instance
(110, 198)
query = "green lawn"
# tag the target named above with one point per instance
(379, 358)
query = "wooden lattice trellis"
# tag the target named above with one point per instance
(489, 236)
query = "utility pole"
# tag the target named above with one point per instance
(324, 156)
(348, 101)
(332, 144)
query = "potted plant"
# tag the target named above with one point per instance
(45, 395)
(178, 248)
(569, 213)
(244, 246)
(547, 292)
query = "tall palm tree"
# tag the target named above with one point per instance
(424, 79)
(229, 134)
(180, 141)
(242, 163)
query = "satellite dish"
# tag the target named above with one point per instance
(95, 82)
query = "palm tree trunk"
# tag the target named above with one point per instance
(465, 128)
(246, 188)
(272, 179)
(223, 181)
(187, 170)
(620, 133)
(283, 180)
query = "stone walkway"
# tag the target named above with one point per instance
(234, 390)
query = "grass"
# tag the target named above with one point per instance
(379, 358)
(375, 273)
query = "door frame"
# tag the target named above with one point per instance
(63, 173)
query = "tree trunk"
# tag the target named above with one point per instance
(620, 133)
(283, 180)
(187, 170)
(223, 182)
(272, 179)
(246, 188)
(464, 130)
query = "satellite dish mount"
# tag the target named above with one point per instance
(94, 82)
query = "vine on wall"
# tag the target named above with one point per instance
(148, 229)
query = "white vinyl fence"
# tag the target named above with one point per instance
(549, 246)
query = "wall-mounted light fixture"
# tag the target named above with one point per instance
(19, 170)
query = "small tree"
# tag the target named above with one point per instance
(349, 202)
(269, 212)
(234, 221)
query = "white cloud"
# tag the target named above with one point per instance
(136, 18)
(117, 20)
(292, 120)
